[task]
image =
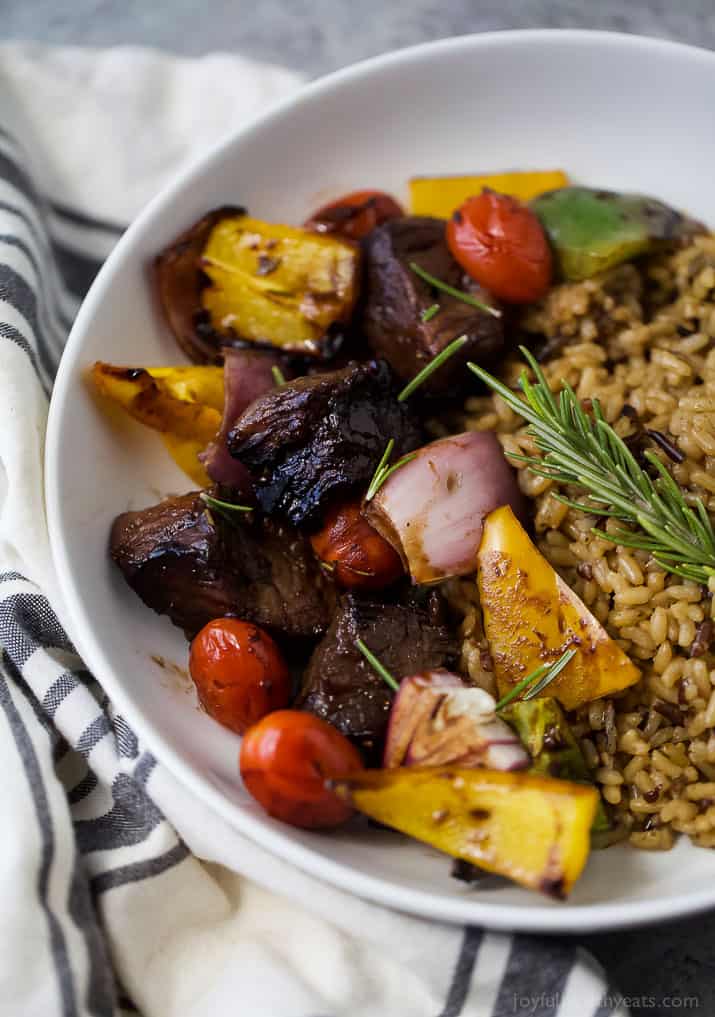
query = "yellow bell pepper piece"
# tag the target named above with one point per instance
(440, 196)
(532, 829)
(278, 284)
(531, 617)
(185, 404)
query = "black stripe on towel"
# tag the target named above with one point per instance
(58, 692)
(18, 177)
(11, 333)
(537, 970)
(42, 242)
(60, 322)
(33, 773)
(463, 971)
(20, 295)
(127, 741)
(130, 820)
(100, 992)
(85, 787)
(76, 269)
(27, 622)
(88, 221)
(137, 871)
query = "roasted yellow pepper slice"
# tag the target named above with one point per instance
(532, 617)
(278, 285)
(440, 196)
(532, 829)
(184, 404)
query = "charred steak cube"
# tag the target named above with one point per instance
(319, 437)
(396, 297)
(339, 684)
(185, 563)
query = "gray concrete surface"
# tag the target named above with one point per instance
(658, 968)
(320, 35)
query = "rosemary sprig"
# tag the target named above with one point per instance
(224, 508)
(466, 298)
(383, 470)
(376, 664)
(586, 451)
(429, 312)
(278, 377)
(537, 681)
(435, 363)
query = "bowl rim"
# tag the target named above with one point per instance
(545, 918)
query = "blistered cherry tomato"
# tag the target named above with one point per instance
(502, 245)
(285, 761)
(355, 215)
(239, 673)
(355, 552)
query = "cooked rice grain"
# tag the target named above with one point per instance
(641, 336)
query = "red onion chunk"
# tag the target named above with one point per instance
(432, 509)
(247, 374)
(438, 720)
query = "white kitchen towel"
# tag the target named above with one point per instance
(115, 893)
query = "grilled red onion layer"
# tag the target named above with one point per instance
(431, 509)
(436, 720)
(247, 374)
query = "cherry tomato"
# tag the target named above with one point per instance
(502, 245)
(285, 761)
(239, 673)
(355, 215)
(359, 557)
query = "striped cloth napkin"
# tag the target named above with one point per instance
(117, 895)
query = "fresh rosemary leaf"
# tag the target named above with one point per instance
(583, 449)
(383, 470)
(428, 369)
(376, 481)
(537, 681)
(226, 506)
(376, 664)
(429, 312)
(553, 672)
(466, 298)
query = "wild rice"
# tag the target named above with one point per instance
(640, 336)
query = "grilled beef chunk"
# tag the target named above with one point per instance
(342, 687)
(314, 438)
(396, 297)
(193, 567)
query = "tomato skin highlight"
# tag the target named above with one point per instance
(286, 759)
(355, 214)
(239, 673)
(358, 557)
(502, 245)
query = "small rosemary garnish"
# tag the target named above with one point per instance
(377, 665)
(224, 508)
(278, 376)
(584, 450)
(428, 369)
(466, 298)
(383, 471)
(429, 312)
(537, 681)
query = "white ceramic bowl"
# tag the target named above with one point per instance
(615, 111)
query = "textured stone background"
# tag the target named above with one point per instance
(318, 36)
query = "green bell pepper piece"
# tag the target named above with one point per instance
(544, 730)
(592, 230)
